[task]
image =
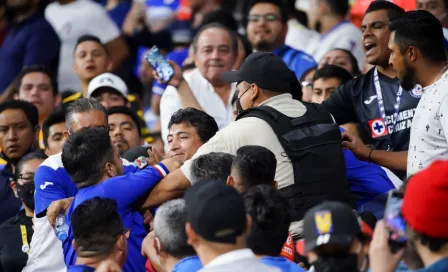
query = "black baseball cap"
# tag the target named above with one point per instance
(216, 211)
(266, 70)
(330, 223)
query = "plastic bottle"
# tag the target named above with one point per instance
(61, 227)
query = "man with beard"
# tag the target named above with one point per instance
(266, 31)
(418, 56)
(30, 40)
(375, 100)
(215, 49)
(18, 136)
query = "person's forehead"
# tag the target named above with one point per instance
(327, 82)
(56, 128)
(337, 54)
(376, 16)
(262, 8)
(34, 77)
(214, 36)
(183, 127)
(89, 46)
(430, 1)
(119, 118)
(13, 115)
(91, 116)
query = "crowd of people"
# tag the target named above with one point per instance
(281, 141)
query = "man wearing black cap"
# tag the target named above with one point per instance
(217, 227)
(264, 79)
(334, 240)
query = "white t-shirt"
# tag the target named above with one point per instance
(206, 96)
(345, 35)
(429, 128)
(301, 38)
(72, 21)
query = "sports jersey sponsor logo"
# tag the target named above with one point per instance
(417, 91)
(378, 128)
(404, 121)
(370, 100)
(43, 186)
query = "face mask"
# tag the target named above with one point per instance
(239, 108)
(25, 193)
(347, 263)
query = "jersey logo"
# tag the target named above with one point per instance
(417, 91)
(43, 186)
(378, 128)
(370, 100)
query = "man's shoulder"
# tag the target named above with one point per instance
(54, 162)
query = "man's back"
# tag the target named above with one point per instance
(254, 131)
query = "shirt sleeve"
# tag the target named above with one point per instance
(169, 104)
(129, 167)
(49, 188)
(102, 25)
(340, 104)
(43, 48)
(131, 187)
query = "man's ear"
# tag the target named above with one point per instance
(47, 152)
(412, 53)
(74, 245)
(15, 96)
(57, 100)
(255, 92)
(191, 234)
(66, 134)
(109, 65)
(13, 186)
(275, 184)
(248, 223)
(110, 169)
(230, 181)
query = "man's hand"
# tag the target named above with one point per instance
(176, 79)
(153, 157)
(57, 207)
(359, 149)
(171, 164)
(380, 256)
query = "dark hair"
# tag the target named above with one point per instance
(393, 11)
(420, 29)
(56, 117)
(270, 220)
(332, 71)
(126, 111)
(82, 105)
(205, 124)
(281, 4)
(302, 78)
(255, 165)
(28, 157)
(339, 7)
(85, 154)
(28, 109)
(232, 34)
(212, 166)
(222, 17)
(96, 226)
(353, 61)
(89, 38)
(38, 69)
(434, 244)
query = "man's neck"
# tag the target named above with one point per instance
(92, 262)
(170, 262)
(429, 73)
(65, 2)
(28, 211)
(84, 87)
(223, 90)
(387, 70)
(22, 17)
(329, 22)
(428, 257)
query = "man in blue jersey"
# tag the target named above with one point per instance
(99, 234)
(95, 166)
(53, 183)
(266, 31)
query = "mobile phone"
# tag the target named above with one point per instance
(394, 221)
(160, 64)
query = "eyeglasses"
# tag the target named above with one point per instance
(268, 17)
(307, 84)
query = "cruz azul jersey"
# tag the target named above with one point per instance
(53, 182)
(357, 101)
